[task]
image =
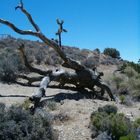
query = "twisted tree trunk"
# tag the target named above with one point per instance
(82, 77)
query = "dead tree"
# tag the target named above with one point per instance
(60, 30)
(83, 77)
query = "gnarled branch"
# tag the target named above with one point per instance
(72, 63)
(86, 77)
(30, 79)
(16, 29)
(21, 7)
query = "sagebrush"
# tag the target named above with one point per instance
(18, 124)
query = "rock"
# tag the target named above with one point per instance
(103, 136)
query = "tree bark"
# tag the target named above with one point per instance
(82, 77)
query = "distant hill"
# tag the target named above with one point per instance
(39, 53)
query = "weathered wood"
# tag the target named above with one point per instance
(30, 79)
(36, 97)
(21, 7)
(83, 77)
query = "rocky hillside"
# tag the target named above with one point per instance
(39, 53)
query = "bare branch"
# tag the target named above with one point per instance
(21, 7)
(30, 79)
(48, 42)
(82, 78)
(72, 63)
(23, 32)
(36, 97)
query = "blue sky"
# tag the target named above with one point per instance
(91, 24)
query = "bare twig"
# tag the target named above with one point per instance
(16, 29)
(86, 77)
(21, 7)
(30, 79)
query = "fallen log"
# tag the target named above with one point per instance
(83, 77)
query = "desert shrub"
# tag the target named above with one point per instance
(130, 72)
(120, 125)
(135, 83)
(26, 104)
(135, 66)
(10, 65)
(136, 128)
(108, 109)
(18, 124)
(137, 123)
(122, 99)
(126, 83)
(128, 137)
(91, 62)
(30, 54)
(52, 58)
(117, 80)
(123, 88)
(51, 105)
(114, 124)
(61, 117)
(112, 52)
(97, 50)
(136, 95)
(40, 55)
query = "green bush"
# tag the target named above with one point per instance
(127, 83)
(108, 109)
(119, 125)
(112, 52)
(97, 50)
(130, 72)
(137, 123)
(51, 105)
(128, 137)
(18, 124)
(26, 104)
(135, 66)
(122, 99)
(108, 120)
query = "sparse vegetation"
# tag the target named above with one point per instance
(18, 124)
(130, 72)
(122, 99)
(61, 118)
(51, 105)
(137, 123)
(127, 84)
(115, 124)
(49, 56)
(108, 109)
(26, 104)
(135, 66)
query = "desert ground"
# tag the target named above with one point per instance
(76, 108)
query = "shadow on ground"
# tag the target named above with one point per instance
(13, 96)
(84, 94)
